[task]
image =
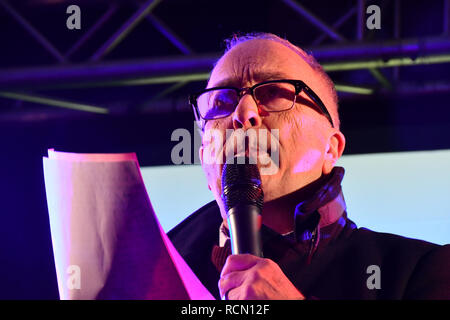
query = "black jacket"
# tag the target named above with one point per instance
(340, 267)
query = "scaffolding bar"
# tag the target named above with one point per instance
(336, 25)
(383, 50)
(313, 19)
(125, 29)
(195, 68)
(360, 20)
(34, 32)
(169, 34)
(86, 36)
(53, 102)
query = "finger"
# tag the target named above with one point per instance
(239, 262)
(229, 282)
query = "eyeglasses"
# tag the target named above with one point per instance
(270, 96)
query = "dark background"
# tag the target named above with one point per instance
(408, 112)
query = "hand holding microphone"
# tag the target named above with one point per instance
(246, 275)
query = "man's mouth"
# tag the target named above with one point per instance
(261, 147)
(262, 157)
(254, 155)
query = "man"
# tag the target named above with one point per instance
(311, 249)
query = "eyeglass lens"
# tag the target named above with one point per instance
(220, 103)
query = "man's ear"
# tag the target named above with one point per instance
(335, 148)
(200, 154)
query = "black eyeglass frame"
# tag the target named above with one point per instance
(298, 84)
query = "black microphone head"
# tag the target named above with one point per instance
(241, 184)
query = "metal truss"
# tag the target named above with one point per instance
(350, 52)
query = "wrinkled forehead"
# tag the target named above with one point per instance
(259, 60)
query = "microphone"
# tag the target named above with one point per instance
(243, 198)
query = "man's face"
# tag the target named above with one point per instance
(304, 133)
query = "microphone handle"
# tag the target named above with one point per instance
(244, 223)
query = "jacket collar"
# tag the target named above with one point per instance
(323, 208)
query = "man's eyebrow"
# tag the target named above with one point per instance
(258, 77)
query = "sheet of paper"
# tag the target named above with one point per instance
(107, 241)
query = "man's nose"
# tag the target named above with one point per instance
(246, 115)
